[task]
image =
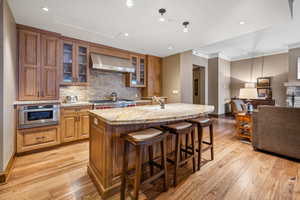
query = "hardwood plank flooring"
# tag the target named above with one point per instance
(237, 173)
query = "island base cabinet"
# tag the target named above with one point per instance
(106, 153)
(37, 138)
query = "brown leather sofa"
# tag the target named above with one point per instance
(277, 130)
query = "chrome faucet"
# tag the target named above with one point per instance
(160, 101)
(114, 96)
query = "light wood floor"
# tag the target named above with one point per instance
(237, 173)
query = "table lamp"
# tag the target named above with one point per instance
(248, 93)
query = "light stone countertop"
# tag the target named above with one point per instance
(151, 113)
(80, 103)
(36, 102)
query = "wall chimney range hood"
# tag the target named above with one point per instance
(110, 63)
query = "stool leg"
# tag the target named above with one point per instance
(177, 152)
(211, 135)
(124, 173)
(164, 162)
(151, 160)
(186, 145)
(200, 137)
(138, 171)
(181, 154)
(193, 149)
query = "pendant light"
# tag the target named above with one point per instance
(185, 25)
(162, 11)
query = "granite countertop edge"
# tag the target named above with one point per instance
(152, 119)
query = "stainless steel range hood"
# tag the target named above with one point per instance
(110, 63)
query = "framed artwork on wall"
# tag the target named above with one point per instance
(264, 82)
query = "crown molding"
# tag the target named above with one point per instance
(294, 45)
(257, 55)
(197, 53)
(219, 55)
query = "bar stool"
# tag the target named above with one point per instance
(139, 140)
(179, 130)
(202, 123)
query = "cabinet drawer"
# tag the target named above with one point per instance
(37, 138)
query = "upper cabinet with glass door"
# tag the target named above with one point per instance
(75, 63)
(82, 64)
(137, 78)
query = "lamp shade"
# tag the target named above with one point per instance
(248, 93)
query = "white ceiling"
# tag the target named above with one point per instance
(104, 21)
(276, 39)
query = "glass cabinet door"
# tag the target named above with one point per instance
(142, 72)
(134, 63)
(68, 63)
(82, 64)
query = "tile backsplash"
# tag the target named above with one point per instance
(101, 85)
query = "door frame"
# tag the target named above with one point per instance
(201, 84)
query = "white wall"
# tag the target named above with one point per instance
(187, 60)
(1, 85)
(9, 85)
(213, 83)
(293, 62)
(218, 84)
(275, 66)
(177, 74)
(224, 85)
(171, 78)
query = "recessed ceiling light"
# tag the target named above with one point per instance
(46, 9)
(162, 11)
(170, 47)
(185, 24)
(242, 22)
(126, 34)
(129, 3)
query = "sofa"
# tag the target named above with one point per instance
(277, 130)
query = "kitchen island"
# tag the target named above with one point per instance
(106, 146)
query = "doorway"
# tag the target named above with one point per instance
(198, 84)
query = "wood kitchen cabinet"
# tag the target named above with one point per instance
(75, 61)
(74, 123)
(153, 78)
(137, 78)
(38, 65)
(37, 138)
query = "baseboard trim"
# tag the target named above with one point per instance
(4, 176)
